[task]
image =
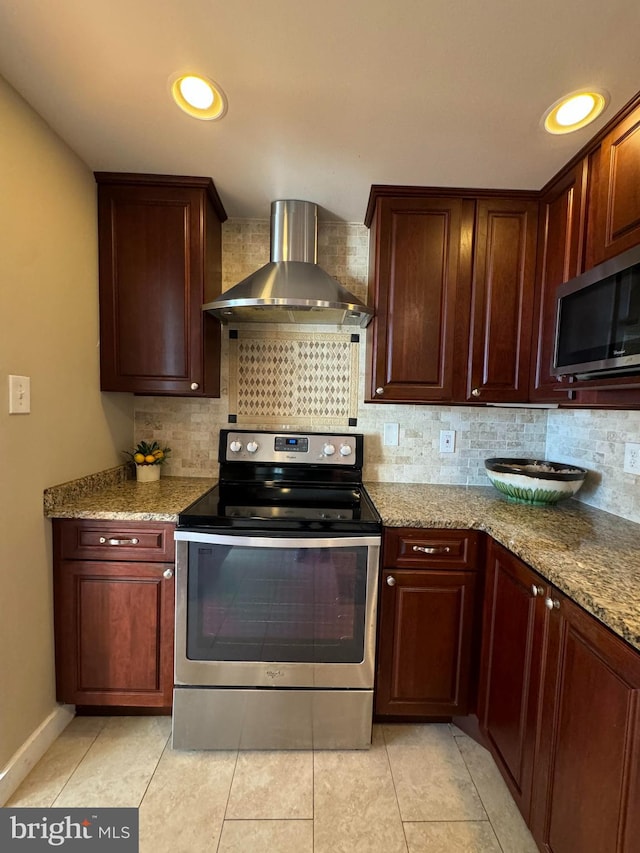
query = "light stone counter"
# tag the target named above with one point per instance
(110, 495)
(590, 555)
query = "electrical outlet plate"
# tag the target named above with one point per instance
(447, 440)
(632, 458)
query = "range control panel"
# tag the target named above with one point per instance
(272, 448)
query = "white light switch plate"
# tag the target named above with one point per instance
(391, 435)
(19, 395)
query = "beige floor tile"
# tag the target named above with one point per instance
(266, 836)
(117, 768)
(183, 808)
(430, 777)
(272, 786)
(355, 806)
(445, 837)
(503, 813)
(49, 776)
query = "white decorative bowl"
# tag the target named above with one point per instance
(534, 482)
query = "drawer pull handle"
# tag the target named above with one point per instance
(168, 573)
(391, 581)
(441, 549)
(105, 541)
(552, 604)
(536, 590)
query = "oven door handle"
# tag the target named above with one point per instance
(263, 541)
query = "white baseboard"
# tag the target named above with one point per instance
(22, 762)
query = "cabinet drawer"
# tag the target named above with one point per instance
(111, 540)
(413, 547)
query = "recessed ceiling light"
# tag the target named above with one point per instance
(575, 111)
(198, 96)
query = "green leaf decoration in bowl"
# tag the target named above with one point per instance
(534, 482)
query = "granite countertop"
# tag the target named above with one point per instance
(590, 555)
(111, 495)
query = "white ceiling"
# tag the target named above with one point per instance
(325, 97)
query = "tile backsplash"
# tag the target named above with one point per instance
(593, 439)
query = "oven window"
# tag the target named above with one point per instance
(276, 604)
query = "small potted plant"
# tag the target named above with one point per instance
(148, 457)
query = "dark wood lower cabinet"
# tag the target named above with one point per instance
(114, 618)
(559, 706)
(512, 648)
(587, 786)
(427, 624)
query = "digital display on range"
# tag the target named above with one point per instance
(292, 443)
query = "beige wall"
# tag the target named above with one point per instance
(48, 331)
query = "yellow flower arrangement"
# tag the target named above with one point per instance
(148, 454)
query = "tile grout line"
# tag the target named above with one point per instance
(395, 792)
(162, 752)
(69, 777)
(226, 805)
(473, 781)
(313, 800)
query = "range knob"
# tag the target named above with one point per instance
(235, 446)
(329, 449)
(345, 450)
(252, 446)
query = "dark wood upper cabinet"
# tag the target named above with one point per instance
(616, 223)
(160, 260)
(419, 279)
(439, 264)
(502, 300)
(561, 229)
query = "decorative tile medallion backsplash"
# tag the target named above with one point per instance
(279, 377)
(293, 378)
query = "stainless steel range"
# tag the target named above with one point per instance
(276, 584)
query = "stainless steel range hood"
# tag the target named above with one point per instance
(291, 288)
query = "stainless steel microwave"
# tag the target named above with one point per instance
(598, 320)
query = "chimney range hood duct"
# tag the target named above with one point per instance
(291, 288)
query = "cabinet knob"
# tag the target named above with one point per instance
(552, 604)
(391, 581)
(194, 386)
(168, 573)
(475, 392)
(380, 391)
(104, 541)
(536, 590)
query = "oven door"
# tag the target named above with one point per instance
(275, 611)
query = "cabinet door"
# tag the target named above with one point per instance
(114, 633)
(588, 772)
(425, 642)
(513, 625)
(158, 246)
(420, 275)
(502, 301)
(616, 225)
(561, 228)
